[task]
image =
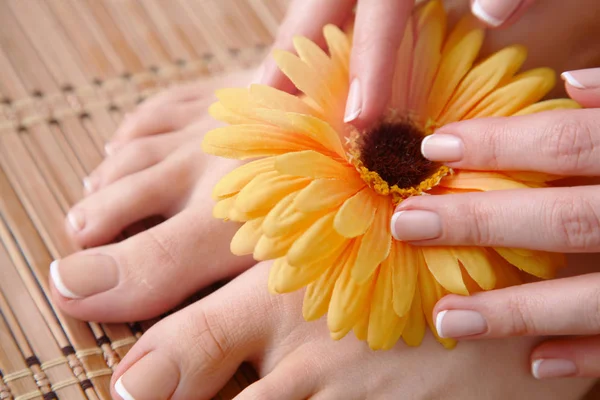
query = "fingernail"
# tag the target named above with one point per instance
(76, 220)
(546, 368)
(79, 276)
(89, 184)
(442, 147)
(152, 377)
(459, 323)
(494, 12)
(583, 79)
(354, 102)
(416, 225)
(109, 148)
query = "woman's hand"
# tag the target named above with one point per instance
(565, 219)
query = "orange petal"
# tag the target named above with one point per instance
(246, 237)
(266, 190)
(478, 264)
(414, 331)
(313, 164)
(405, 263)
(537, 263)
(483, 181)
(361, 329)
(356, 214)
(375, 244)
(325, 194)
(444, 266)
(234, 181)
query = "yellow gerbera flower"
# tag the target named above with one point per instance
(320, 196)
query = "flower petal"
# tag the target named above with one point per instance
(356, 215)
(223, 207)
(478, 264)
(269, 248)
(481, 80)
(444, 266)
(483, 181)
(405, 264)
(246, 237)
(324, 194)
(313, 164)
(235, 181)
(339, 47)
(414, 331)
(361, 328)
(285, 219)
(219, 112)
(267, 97)
(524, 90)
(537, 263)
(375, 244)
(266, 190)
(548, 105)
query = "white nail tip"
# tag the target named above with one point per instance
(567, 76)
(423, 145)
(535, 368)
(87, 184)
(58, 282)
(74, 222)
(393, 224)
(121, 391)
(353, 116)
(480, 13)
(438, 323)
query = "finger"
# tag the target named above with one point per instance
(561, 142)
(134, 156)
(550, 219)
(499, 13)
(380, 26)
(566, 306)
(149, 273)
(304, 18)
(584, 86)
(567, 357)
(193, 353)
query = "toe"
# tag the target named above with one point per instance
(135, 156)
(148, 273)
(194, 352)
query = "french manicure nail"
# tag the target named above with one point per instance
(76, 220)
(459, 323)
(583, 78)
(546, 368)
(152, 377)
(89, 184)
(442, 147)
(494, 12)
(79, 276)
(413, 225)
(354, 102)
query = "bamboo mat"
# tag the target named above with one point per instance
(69, 69)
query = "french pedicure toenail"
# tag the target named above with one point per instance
(414, 225)
(442, 147)
(546, 368)
(459, 323)
(76, 220)
(152, 377)
(495, 12)
(84, 275)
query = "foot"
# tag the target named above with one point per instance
(194, 352)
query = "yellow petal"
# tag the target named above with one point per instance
(318, 293)
(536, 263)
(234, 181)
(431, 293)
(219, 112)
(405, 265)
(267, 97)
(361, 329)
(325, 194)
(339, 47)
(481, 80)
(274, 273)
(549, 105)
(483, 181)
(313, 164)
(356, 214)
(464, 27)
(375, 244)
(266, 190)
(524, 90)
(431, 28)
(444, 266)
(223, 207)
(252, 141)
(318, 242)
(236, 101)
(349, 299)
(478, 264)
(453, 67)
(285, 219)
(506, 274)
(385, 327)
(246, 237)
(414, 331)
(268, 248)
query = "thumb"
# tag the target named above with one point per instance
(569, 306)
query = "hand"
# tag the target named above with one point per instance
(556, 219)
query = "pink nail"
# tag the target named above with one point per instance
(416, 225)
(583, 78)
(354, 102)
(442, 147)
(546, 368)
(494, 12)
(459, 323)
(76, 220)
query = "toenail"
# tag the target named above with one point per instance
(79, 276)
(152, 377)
(89, 184)
(76, 220)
